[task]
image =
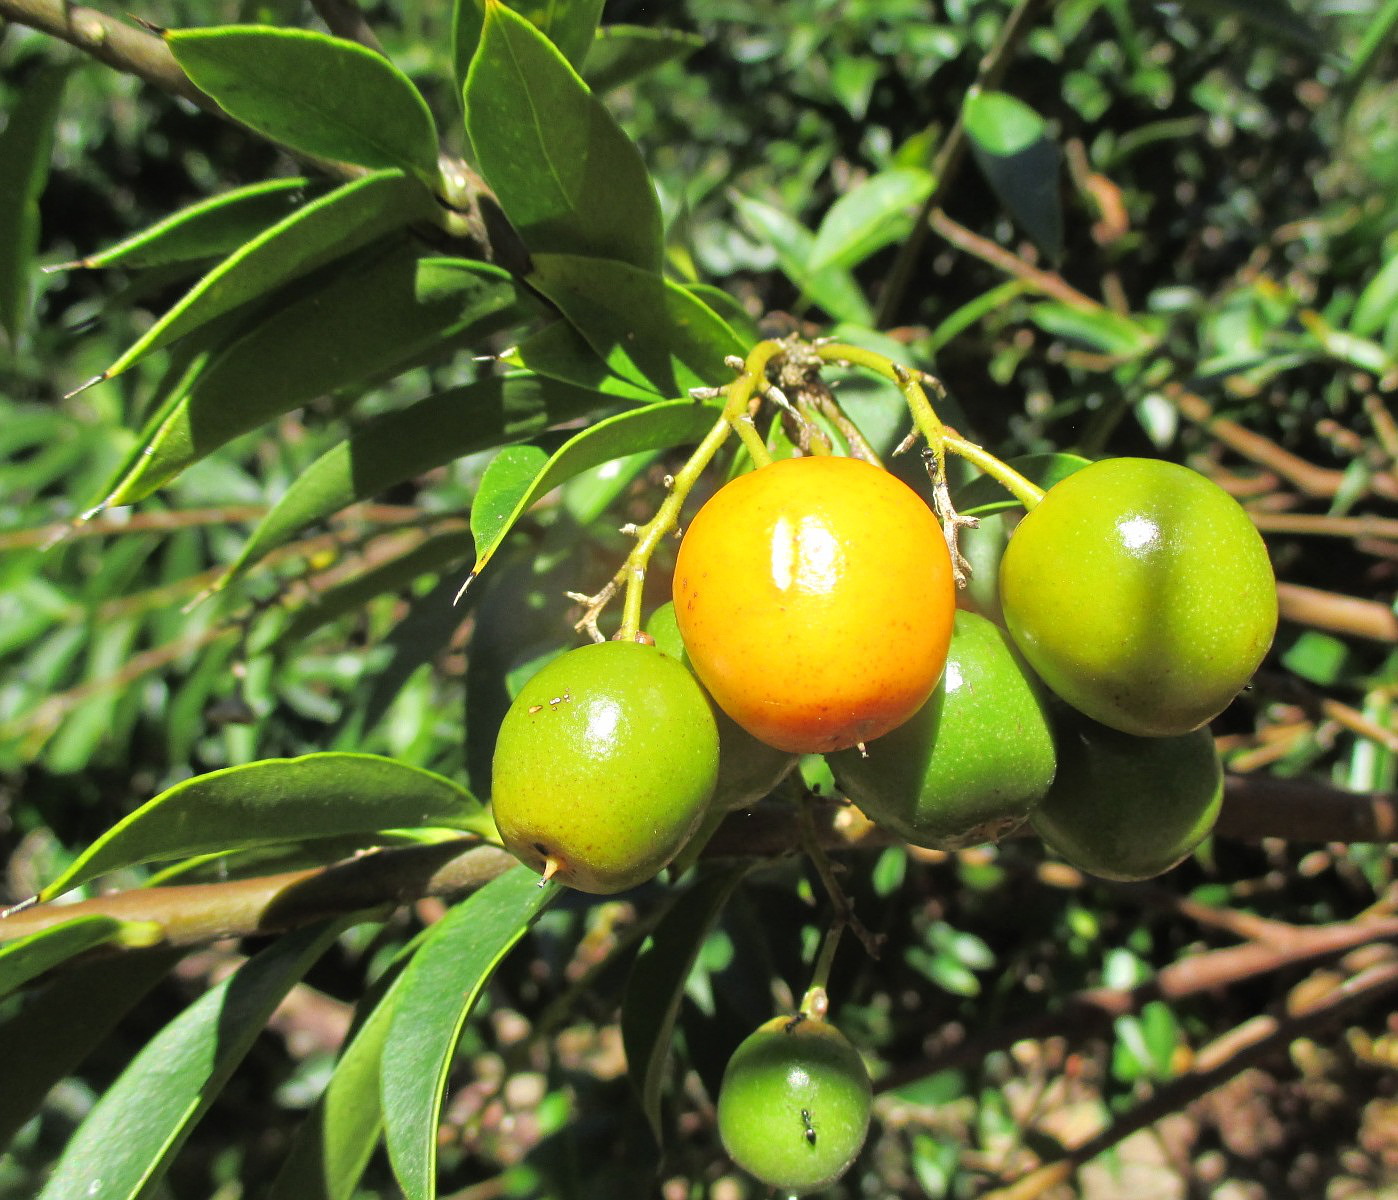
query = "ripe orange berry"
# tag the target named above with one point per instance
(815, 599)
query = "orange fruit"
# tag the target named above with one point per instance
(815, 600)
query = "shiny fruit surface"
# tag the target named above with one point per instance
(748, 769)
(1128, 808)
(793, 1109)
(815, 599)
(973, 761)
(604, 766)
(1142, 593)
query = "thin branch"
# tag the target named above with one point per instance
(950, 155)
(1093, 1009)
(1337, 612)
(1049, 283)
(191, 914)
(1305, 476)
(1255, 807)
(344, 19)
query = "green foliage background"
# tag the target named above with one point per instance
(1169, 230)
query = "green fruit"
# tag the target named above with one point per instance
(1127, 808)
(604, 766)
(748, 769)
(793, 1109)
(1141, 592)
(972, 763)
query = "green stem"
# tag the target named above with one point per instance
(734, 416)
(1026, 491)
(815, 1002)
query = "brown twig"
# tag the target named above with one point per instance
(1337, 613)
(950, 155)
(1048, 283)
(1305, 476)
(1321, 525)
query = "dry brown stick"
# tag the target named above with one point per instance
(1225, 1057)
(1305, 476)
(1306, 811)
(1094, 1009)
(1321, 525)
(1049, 283)
(1337, 613)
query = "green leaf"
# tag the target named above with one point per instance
(656, 986)
(335, 1141)
(366, 321)
(648, 330)
(569, 24)
(984, 496)
(26, 146)
(57, 1026)
(558, 351)
(509, 476)
(276, 800)
(213, 227)
(1020, 160)
(567, 177)
(658, 427)
(439, 989)
(1378, 301)
(405, 444)
(877, 213)
(621, 53)
(317, 233)
(28, 957)
(318, 94)
(126, 1144)
(832, 288)
(1099, 329)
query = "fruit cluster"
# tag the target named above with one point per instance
(815, 612)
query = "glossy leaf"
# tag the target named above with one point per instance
(318, 94)
(211, 228)
(984, 496)
(1020, 160)
(26, 145)
(507, 478)
(659, 427)
(335, 1141)
(877, 213)
(126, 1143)
(28, 957)
(405, 444)
(369, 320)
(317, 233)
(1099, 329)
(558, 351)
(832, 288)
(656, 986)
(621, 53)
(439, 989)
(275, 800)
(647, 329)
(57, 1026)
(567, 177)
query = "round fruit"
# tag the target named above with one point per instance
(973, 761)
(604, 766)
(815, 599)
(748, 769)
(793, 1109)
(1127, 808)
(1141, 592)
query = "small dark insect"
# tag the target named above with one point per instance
(810, 1129)
(795, 1021)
